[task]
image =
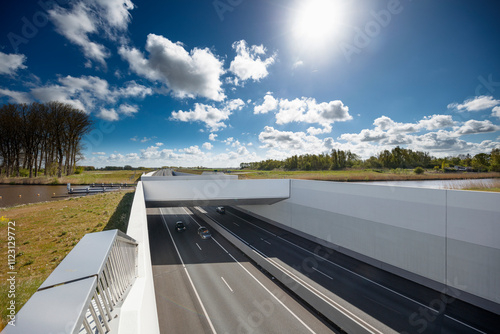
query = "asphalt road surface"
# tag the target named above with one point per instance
(385, 301)
(208, 286)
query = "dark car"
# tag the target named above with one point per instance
(204, 232)
(180, 227)
(221, 210)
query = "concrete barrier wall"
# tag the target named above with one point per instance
(341, 318)
(139, 313)
(189, 191)
(435, 237)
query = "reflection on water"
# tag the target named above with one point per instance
(436, 184)
(11, 195)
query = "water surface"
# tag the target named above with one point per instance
(435, 184)
(23, 194)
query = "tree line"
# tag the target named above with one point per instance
(41, 137)
(396, 158)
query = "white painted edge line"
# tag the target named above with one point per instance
(189, 277)
(263, 286)
(477, 330)
(321, 295)
(319, 271)
(255, 278)
(198, 246)
(354, 273)
(306, 285)
(263, 229)
(226, 284)
(267, 242)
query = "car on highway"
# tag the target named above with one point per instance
(180, 227)
(221, 210)
(204, 232)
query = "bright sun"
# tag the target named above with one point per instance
(318, 22)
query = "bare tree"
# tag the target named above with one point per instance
(37, 135)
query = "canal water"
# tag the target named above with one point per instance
(436, 184)
(11, 195)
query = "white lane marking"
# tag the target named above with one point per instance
(477, 330)
(321, 295)
(352, 272)
(227, 284)
(306, 285)
(263, 229)
(339, 266)
(236, 224)
(189, 277)
(263, 286)
(198, 246)
(358, 275)
(321, 272)
(267, 242)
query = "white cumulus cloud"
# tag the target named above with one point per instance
(473, 127)
(496, 112)
(212, 117)
(108, 114)
(248, 63)
(478, 103)
(186, 74)
(307, 110)
(10, 63)
(269, 104)
(88, 17)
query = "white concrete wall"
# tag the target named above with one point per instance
(212, 187)
(436, 237)
(138, 313)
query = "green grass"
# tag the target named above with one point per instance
(86, 177)
(46, 232)
(350, 175)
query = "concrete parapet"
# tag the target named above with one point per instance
(439, 238)
(138, 312)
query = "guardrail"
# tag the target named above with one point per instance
(82, 293)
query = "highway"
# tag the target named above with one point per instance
(208, 286)
(385, 302)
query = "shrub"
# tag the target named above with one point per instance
(419, 170)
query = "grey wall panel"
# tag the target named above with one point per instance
(474, 268)
(443, 236)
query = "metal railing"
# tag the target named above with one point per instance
(81, 295)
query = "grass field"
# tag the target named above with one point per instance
(350, 175)
(46, 232)
(86, 177)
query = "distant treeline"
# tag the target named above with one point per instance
(41, 136)
(396, 158)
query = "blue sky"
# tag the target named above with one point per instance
(216, 83)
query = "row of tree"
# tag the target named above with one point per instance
(40, 136)
(396, 158)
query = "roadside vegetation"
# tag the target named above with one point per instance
(83, 177)
(46, 232)
(396, 159)
(41, 135)
(397, 165)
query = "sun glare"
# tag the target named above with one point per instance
(318, 22)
